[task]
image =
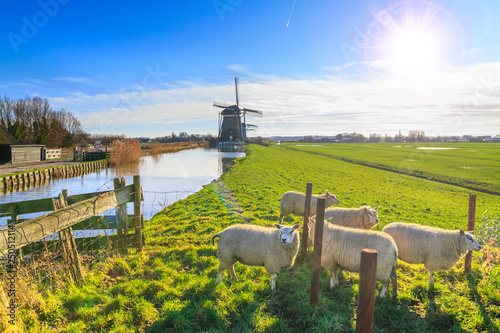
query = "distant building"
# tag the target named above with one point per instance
(14, 152)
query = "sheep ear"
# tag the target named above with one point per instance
(376, 208)
(297, 226)
(462, 232)
(277, 225)
(327, 191)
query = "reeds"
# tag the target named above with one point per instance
(125, 151)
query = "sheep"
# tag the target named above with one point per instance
(293, 202)
(438, 249)
(255, 245)
(342, 248)
(360, 218)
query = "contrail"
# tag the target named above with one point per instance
(287, 23)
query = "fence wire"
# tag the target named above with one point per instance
(43, 264)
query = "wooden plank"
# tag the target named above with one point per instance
(318, 248)
(45, 205)
(137, 212)
(366, 295)
(102, 222)
(305, 225)
(43, 226)
(470, 227)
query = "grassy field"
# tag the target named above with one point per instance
(474, 165)
(171, 285)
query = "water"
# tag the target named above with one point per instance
(165, 179)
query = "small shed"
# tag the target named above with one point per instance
(15, 152)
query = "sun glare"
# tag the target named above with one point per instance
(414, 50)
(413, 38)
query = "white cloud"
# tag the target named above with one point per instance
(462, 101)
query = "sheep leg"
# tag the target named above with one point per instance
(273, 282)
(431, 280)
(334, 277)
(394, 279)
(385, 287)
(220, 272)
(281, 218)
(232, 273)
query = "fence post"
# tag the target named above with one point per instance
(470, 227)
(68, 244)
(318, 247)
(137, 212)
(305, 227)
(120, 223)
(366, 294)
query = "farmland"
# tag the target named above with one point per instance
(473, 165)
(170, 286)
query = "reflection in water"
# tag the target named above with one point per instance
(165, 179)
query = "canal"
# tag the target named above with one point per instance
(165, 179)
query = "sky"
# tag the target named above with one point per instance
(320, 67)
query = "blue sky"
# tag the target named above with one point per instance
(313, 67)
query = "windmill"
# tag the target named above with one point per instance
(232, 120)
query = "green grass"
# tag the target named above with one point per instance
(474, 165)
(170, 286)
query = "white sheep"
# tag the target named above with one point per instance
(293, 202)
(342, 249)
(438, 249)
(360, 218)
(255, 245)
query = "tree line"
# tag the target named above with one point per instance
(33, 120)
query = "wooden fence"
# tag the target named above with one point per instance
(81, 155)
(75, 212)
(32, 177)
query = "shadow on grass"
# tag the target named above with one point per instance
(478, 299)
(199, 314)
(207, 308)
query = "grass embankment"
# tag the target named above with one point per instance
(473, 165)
(170, 286)
(161, 148)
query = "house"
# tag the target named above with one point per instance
(14, 152)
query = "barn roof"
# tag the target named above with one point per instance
(6, 137)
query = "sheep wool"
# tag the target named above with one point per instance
(342, 249)
(293, 202)
(438, 249)
(361, 218)
(254, 245)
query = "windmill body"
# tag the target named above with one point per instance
(232, 125)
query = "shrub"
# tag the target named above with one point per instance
(125, 151)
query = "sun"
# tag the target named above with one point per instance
(412, 38)
(412, 50)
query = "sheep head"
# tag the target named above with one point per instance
(287, 233)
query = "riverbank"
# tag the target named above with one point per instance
(171, 284)
(161, 148)
(48, 172)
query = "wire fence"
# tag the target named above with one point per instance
(49, 262)
(47, 251)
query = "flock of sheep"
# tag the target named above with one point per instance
(346, 233)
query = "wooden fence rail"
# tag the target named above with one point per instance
(78, 211)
